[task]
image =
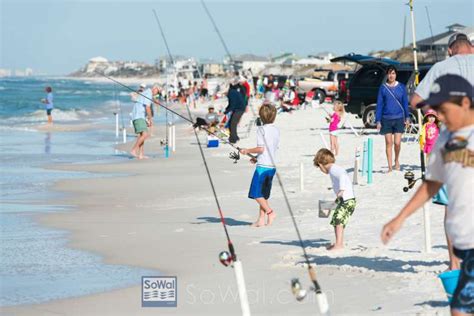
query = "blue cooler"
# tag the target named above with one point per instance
(212, 141)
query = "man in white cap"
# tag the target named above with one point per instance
(460, 62)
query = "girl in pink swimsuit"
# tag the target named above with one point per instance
(430, 130)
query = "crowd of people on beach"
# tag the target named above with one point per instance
(446, 96)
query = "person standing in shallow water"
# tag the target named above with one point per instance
(392, 114)
(49, 103)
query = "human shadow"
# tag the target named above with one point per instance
(229, 221)
(378, 264)
(434, 303)
(306, 243)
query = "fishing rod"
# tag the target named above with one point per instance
(219, 34)
(297, 290)
(226, 258)
(411, 183)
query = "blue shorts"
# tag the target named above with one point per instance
(48, 111)
(261, 185)
(392, 126)
(463, 298)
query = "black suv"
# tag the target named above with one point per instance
(363, 87)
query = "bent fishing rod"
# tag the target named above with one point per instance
(297, 290)
(226, 258)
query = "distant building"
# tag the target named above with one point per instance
(439, 42)
(212, 68)
(315, 60)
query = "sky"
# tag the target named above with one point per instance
(57, 37)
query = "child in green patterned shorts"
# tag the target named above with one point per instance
(342, 186)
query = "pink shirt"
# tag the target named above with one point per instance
(335, 119)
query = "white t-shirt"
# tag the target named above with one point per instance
(462, 65)
(341, 181)
(456, 170)
(268, 137)
(49, 99)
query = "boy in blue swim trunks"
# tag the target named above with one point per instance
(268, 138)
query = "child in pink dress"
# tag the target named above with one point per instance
(430, 130)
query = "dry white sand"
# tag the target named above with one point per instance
(161, 214)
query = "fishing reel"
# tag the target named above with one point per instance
(410, 177)
(225, 258)
(297, 290)
(235, 155)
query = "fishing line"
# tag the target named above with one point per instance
(321, 297)
(223, 256)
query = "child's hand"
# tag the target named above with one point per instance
(339, 200)
(253, 160)
(244, 151)
(390, 229)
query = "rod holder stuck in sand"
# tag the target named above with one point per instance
(427, 226)
(370, 160)
(124, 135)
(355, 179)
(116, 125)
(239, 276)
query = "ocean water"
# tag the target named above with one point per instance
(36, 264)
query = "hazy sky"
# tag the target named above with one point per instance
(58, 37)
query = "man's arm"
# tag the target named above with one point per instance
(426, 191)
(415, 99)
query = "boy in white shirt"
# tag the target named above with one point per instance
(268, 138)
(342, 186)
(451, 163)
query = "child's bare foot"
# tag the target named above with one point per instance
(397, 166)
(259, 223)
(389, 170)
(134, 153)
(335, 247)
(271, 217)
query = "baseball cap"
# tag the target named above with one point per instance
(457, 36)
(447, 87)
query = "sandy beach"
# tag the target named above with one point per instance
(160, 214)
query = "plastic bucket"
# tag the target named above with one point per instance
(450, 282)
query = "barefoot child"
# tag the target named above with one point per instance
(452, 163)
(342, 186)
(268, 138)
(334, 125)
